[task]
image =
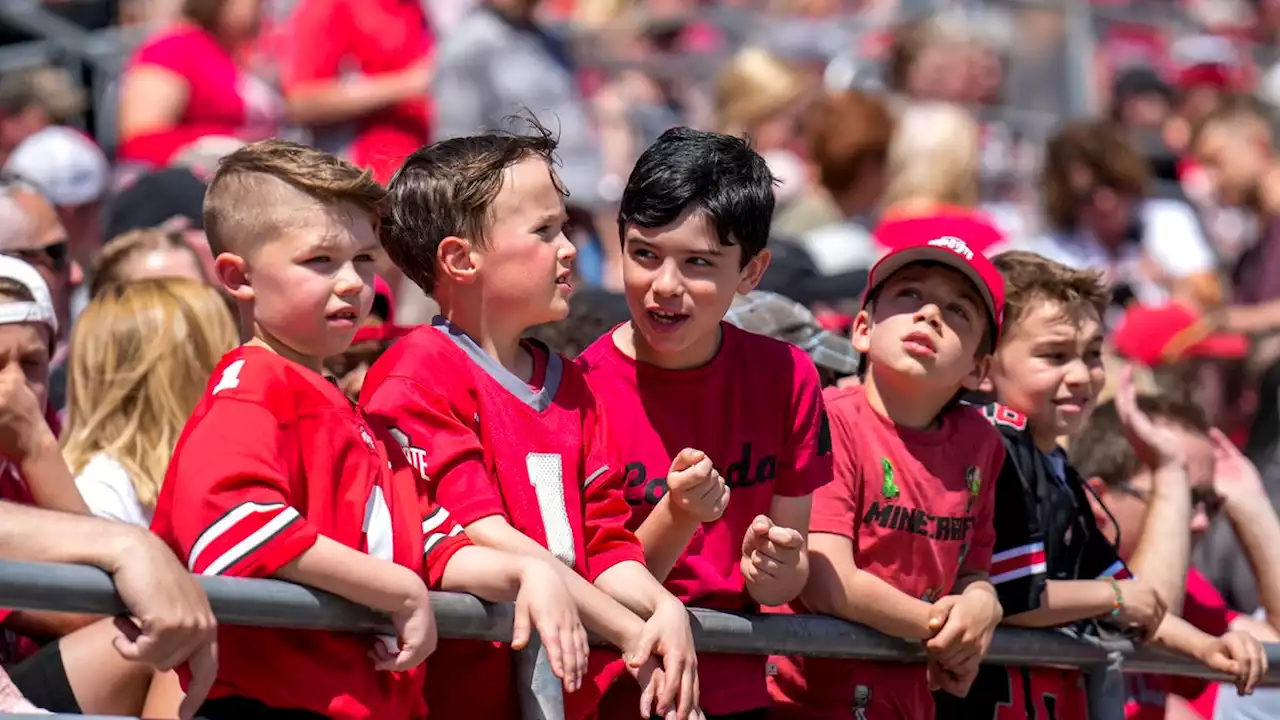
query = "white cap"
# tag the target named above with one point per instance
(38, 310)
(68, 167)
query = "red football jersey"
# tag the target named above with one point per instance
(487, 443)
(918, 507)
(273, 456)
(756, 410)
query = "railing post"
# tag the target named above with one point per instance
(541, 694)
(1106, 688)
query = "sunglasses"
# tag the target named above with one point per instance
(1201, 496)
(55, 257)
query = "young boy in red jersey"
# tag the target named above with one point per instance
(277, 474)
(506, 432)
(901, 539)
(703, 409)
(1052, 566)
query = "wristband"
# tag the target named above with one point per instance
(1119, 601)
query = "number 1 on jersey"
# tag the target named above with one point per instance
(546, 474)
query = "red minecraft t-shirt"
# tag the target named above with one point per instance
(918, 507)
(487, 443)
(274, 456)
(756, 410)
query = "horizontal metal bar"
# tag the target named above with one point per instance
(273, 603)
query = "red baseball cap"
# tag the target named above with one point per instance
(384, 306)
(953, 252)
(1156, 336)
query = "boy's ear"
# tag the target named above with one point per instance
(977, 379)
(751, 274)
(233, 274)
(861, 333)
(457, 260)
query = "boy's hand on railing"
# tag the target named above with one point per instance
(695, 488)
(544, 604)
(668, 634)
(1240, 655)
(955, 682)
(415, 631)
(964, 625)
(1143, 608)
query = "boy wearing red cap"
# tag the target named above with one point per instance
(901, 539)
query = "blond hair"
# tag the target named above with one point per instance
(933, 156)
(141, 355)
(249, 198)
(126, 247)
(753, 87)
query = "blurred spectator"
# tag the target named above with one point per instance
(73, 174)
(848, 137)
(141, 358)
(145, 254)
(189, 82)
(1096, 198)
(357, 73)
(171, 200)
(775, 316)
(932, 160)
(31, 231)
(34, 99)
(1140, 100)
(762, 97)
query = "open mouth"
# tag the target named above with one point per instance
(343, 315)
(918, 343)
(663, 318)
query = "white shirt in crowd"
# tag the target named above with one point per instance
(1172, 241)
(105, 486)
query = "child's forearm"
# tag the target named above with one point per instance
(600, 613)
(348, 573)
(865, 598)
(49, 479)
(1066, 601)
(488, 574)
(1181, 636)
(631, 584)
(664, 535)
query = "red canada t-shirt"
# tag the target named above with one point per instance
(756, 410)
(487, 443)
(918, 507)
(1204, 607)
(273, 456)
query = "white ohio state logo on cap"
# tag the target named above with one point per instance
(954, 244)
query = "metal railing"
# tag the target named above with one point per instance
(273, 603)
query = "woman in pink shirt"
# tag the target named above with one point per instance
(188, 82)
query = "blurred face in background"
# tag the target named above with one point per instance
(1104, 211)
(1234, 155)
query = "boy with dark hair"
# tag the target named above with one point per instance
(1220, 480)
(901, 539)
(1052, 566)
(704, 409)
(506, 432)
(277, 474)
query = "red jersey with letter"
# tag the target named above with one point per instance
(756, 410)
(273, 456)
(488, 443)
(917, 506)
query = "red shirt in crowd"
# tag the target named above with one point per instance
(756, 410)
(333, 38)
(1203, 607)
(273, 456)
(918, 507)
(222, 99)
(487, 443)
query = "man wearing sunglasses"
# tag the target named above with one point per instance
(1221, 482)
(30, 231)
